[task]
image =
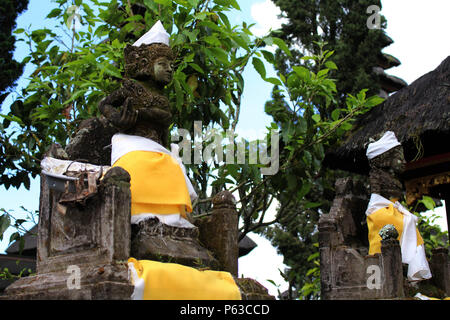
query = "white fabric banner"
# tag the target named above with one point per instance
(413, 255)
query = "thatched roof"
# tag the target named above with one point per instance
(420, 110)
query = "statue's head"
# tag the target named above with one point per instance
(392, 161)
(147, 62)
(387, 154)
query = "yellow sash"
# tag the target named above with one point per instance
(170, 281)
(380, 218)
(157, 182)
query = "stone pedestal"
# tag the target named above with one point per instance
(391, 265)
(219, 232)
(440, 269)
(82, 249)
(152, 240)
(346, 270)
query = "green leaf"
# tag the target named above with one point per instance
(259, 66)
(316, 117)
(269, 56)
(331, 65)
(196, 67)
(242, 40)
(322, 73)
(219, 53)
(54, 13)
(335, 114)
(225, 20)
(274, 81)
(302, 72)
(75, 96)
(4, 224)
(428, 202)
(306, 187)
(164, 2)
(374, 101)
(310, 205)
(282, 45)
(112, 71)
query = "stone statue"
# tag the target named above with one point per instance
(385, 171)
(139, 107)
(387, 162)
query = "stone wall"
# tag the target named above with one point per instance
(347, 271)
(90, 241)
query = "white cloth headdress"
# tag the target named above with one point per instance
(157, 34)
(387, 142)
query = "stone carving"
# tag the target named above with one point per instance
(388, 232)
(345, 263)
(345, 266)
(93, 238)
(139, 107)
(384, 175)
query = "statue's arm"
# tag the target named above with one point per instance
(117, 108)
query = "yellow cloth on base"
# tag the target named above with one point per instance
(170, 281)
(380, 218)
(157, 183)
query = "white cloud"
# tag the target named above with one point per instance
(266, 16)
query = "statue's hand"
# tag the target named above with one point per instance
(128, 116)
(157, 115)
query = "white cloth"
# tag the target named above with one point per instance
(413, 255)
(62, 167)
(421, 296)
(174, 220)
(139, 283)
(157, 34)
(123, 144)
(387, 142)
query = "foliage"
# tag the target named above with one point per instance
(342, 24)
(5, 274)
(431, 233)
(10, 220)
(302, 182)
(11, 69)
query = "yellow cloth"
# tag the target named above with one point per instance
(157, 183)
(170, 281)
(380, 218)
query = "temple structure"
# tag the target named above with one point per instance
(419, 115)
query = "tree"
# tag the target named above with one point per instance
(11, 69)
(354, 50)
(343, 26)
(76, 70)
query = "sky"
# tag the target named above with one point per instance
(420, 33)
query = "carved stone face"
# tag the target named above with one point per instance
(149, 62)
(392, 160)
(162, 70)
(398, 162)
